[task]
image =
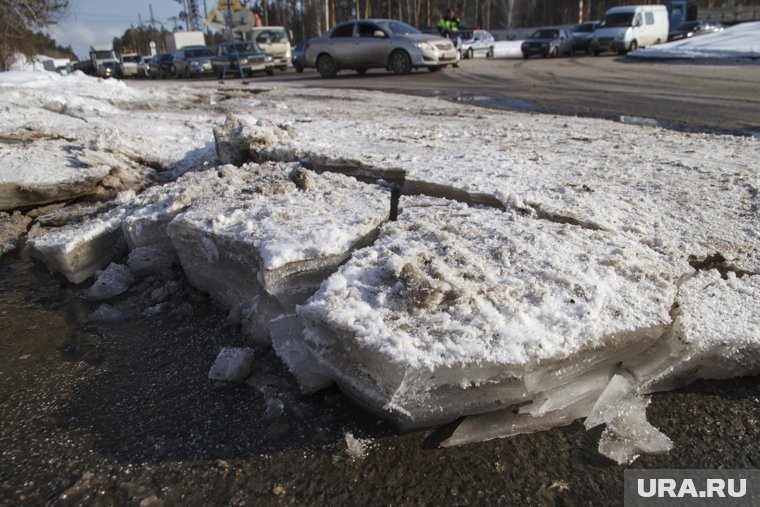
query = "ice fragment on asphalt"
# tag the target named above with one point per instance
(356, 447)
(112, 281)
(627, 432)
(233, 364)
(240, 140)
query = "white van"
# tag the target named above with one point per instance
(627, 28)
(273, 40)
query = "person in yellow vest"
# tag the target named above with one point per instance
(449, 24)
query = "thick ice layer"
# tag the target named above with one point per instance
(457, 310)
(267, 248)
(715, 335)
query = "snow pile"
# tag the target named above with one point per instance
(62, 137)
(741, 41)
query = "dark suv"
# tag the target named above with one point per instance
(163, 67)
(234, 58)
(193, 61)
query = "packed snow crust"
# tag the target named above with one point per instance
(541, 270)
(740, 41)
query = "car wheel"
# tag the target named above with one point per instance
(489, 54)
(470, 53)
(326, 66)
(298, 67)
(270, 72)
(400, 62)
(633, 46)
(525, 56)
(187, 73)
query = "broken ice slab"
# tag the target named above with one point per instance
(240, 139)
(263, 250)
(286, 331)
(715, 334)
(44, 172)
(78, 250)
(457, 310)
(627, 432)
(233, 364)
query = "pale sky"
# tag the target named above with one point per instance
(98, 21)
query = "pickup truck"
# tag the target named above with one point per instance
(234, 58)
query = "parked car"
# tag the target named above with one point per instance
(192, 61)
(163, 66)
(475, 42)
(627, 28)
(273, 40)
(241, 57)
(582, 34)
(298, 56)
(548, 42)
(378, 43)
(129, 63)
(691, 28)
(143, 66)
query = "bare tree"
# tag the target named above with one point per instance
(20, 25)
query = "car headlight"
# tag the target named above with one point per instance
(267, 58)
(423, 45)
(194, 63)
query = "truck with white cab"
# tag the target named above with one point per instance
(179, 40)
(628, 28)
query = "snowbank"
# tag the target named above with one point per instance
(739, 42)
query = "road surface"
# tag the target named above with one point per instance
(719, 97)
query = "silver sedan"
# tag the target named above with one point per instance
(378, 43)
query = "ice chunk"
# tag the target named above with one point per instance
(627, 432)
(286, 332)
(112, 281)
(457, 310)
(263, 250)
(233, 364)
(714, 336)
(79, 250)
(356, 447)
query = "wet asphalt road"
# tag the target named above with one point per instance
(122, 413)
(718, 97)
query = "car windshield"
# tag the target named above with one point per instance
(618, 19)
(271, 36)
(689, 25)
(584, 27)
(168, 57)
(466, 34)
(198, 53)
(245, 47)
(397, 28)
(545, 34)
(130, 59)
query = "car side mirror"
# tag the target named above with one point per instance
(379, 34)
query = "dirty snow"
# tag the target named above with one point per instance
(579, 249)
